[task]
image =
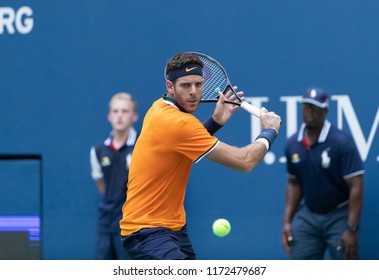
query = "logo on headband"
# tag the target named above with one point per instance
(190, 69)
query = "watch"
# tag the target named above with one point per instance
(353, 227)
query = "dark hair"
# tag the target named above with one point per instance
(181, 59)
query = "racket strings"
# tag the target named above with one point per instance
(215, 79)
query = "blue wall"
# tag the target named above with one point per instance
(56, 79)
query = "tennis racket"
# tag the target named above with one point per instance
(216, 80)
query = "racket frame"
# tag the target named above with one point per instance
(243, 104)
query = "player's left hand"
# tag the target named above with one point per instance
(224, 111)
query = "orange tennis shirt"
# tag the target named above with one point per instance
(170, 141)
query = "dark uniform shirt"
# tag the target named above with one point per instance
(321, 169)
(113, 167)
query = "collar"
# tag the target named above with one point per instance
(130, 141)
(172, 102)
(322, 137)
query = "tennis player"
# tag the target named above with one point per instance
(172, 139)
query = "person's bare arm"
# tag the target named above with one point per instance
(349, 239)
(293, 198)
(100, 185)
(246, 158)
(241, 159)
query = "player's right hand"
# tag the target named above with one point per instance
(269, 119)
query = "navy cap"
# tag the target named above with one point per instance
(316, 96)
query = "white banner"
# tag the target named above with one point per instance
(181, 270)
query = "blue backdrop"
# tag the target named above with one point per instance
(61, 61)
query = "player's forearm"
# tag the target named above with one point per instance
(246, 158)
(257, 150)
(254, 154)
(240, 159)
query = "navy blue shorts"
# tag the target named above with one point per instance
(159, 244)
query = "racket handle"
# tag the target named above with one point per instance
(251, 109)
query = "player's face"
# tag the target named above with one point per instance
(186, 91)
(122, 115)
(313, 116)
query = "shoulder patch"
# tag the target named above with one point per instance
(295, 158)
(105, 161)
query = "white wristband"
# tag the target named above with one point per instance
(264, 141)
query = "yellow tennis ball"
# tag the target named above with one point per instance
(221, 227)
